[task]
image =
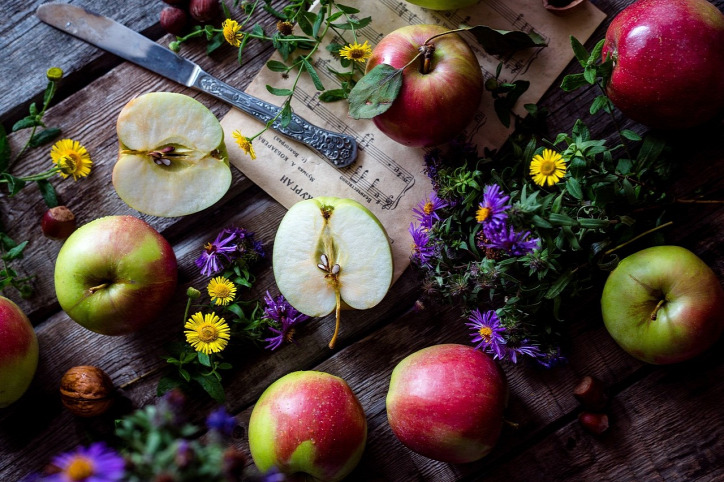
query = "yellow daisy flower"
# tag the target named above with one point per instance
(244, 144)
(221, 290)
(71, 158)
(207, 333)
(547, 169)
(232, 32)
(357, 52)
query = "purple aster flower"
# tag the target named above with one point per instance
(97, 463)
(487, 332)
(286, 317)
(506, 238)
(492, 209)
(422, 250)
(426, 211)
(551, 359)
(522, 348)
(223, 246)
(221, 421)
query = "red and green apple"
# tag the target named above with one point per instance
(308, 422)
(438, 98)
(446, 402)
(115, 275)
(18, 352)
(663, 305)
(668, 59)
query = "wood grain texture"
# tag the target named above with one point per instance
(666, 423)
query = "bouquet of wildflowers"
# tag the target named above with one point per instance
(513, 236)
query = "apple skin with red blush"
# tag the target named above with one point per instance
(446, 402)
(668, 62)
(18, 352)
(309, 422)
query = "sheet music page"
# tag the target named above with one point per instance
(388, 177)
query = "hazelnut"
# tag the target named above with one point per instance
(204, 11)
(58, 223)
(174, 20)
(591, 394)
(596, 423)
(86, 391)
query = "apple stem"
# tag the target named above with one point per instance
(655, 313)
(97, 288)
(427, 51)
(337, 315)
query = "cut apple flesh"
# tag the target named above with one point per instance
(331, 251)
(172, 159)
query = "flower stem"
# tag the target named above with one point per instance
(638, 237)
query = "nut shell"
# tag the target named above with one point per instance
(86, 391)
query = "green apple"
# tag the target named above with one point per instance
(330, 252)
(172, 159)
(663, 305)
(308, 422)
(18, 352)
(443, 4)
(115, 275)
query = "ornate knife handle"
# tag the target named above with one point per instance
(339, 149)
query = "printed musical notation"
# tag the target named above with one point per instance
(388, 177)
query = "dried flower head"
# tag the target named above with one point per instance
(284, 27)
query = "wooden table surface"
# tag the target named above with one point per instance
(667, 422)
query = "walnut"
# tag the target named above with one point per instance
(86, 391)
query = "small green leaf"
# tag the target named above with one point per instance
(501, 42)
(286, 115)
(318, 23)
(279, 92)
(48, 192)
(375, 92)
(27, 122)
(44, 136)
(630, 135)
(347, 10)
(16, 252)
(166, 384)
(579, 51)
(559, 285)
(203, 359)
(574, 188)
(598, 103)
(4, 150)
(589, 73)
(333, 95)
(596, 52)
(212, 386)
(305, 22)
(591, 223)
(572, 82)
(313, 74)
(276, 66)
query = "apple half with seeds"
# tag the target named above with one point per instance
(172, 159)
(331, 252)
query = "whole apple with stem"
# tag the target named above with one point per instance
(331, 252)
(440, 90)
(663, 305)
(18, 352)
(308, 422)
(446, 402)
(668, 62)
(115, 275)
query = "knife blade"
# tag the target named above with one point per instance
(107, 34)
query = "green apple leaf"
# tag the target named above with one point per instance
(502, 42)
(375, 92)
(48, 192)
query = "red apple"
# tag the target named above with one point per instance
(663, 305)
(18, 352)
(115, 274)
(434, 103)
(668, 62)
(308, 422)
(446, 402)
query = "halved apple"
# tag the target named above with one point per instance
(172, 159)
(331, 251)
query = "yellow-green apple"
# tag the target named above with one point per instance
(668, 62)
(663, 305)
(115, 274)
(18, 352)
(446, 402)
(308, 422)
(443, 4)
(439, 97)
(330, 252)
(172, 159)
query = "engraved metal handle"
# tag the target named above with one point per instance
(339, 149)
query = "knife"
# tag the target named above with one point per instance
(339, 149)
